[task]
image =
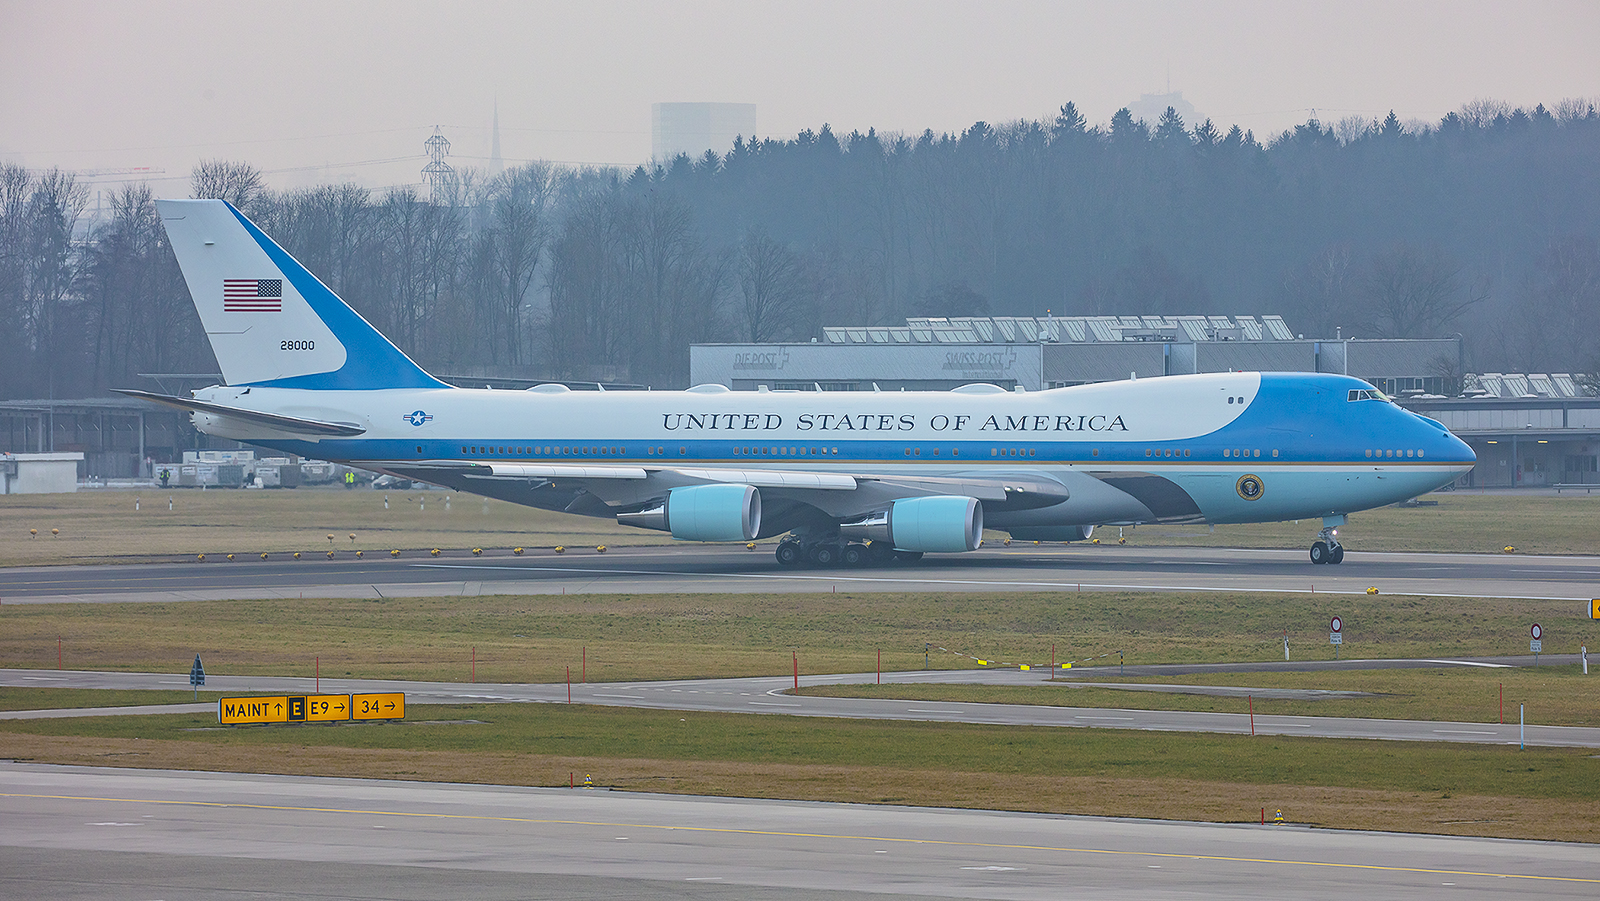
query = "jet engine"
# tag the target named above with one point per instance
(703, 513)
(1052, 533)
(938, 524)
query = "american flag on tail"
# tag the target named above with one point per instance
(252, 295)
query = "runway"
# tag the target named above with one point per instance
(71, 832)
(716, 569)
(768, 695)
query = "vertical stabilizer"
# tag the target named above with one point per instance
(269, 320)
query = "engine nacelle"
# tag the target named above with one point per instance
(704, 513)
(937, 524)
(1052, 533)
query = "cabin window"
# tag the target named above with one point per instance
(1186, 452)
(1095, 452)
(1230, 400)
(1419, 453)
(1147, 452)
(1274, 452)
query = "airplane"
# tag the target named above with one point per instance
(849, 478)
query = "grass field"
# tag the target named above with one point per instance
(1469, 790)
(1472, 790)
(1402, 786)
(103, 526)
(1553, 695)
(532, 639)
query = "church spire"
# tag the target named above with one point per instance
(497, 164)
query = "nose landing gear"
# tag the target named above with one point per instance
(1327, 548)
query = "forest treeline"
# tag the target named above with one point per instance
(1484, 224)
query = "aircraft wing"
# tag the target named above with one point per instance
(290, 424)
(624, 486)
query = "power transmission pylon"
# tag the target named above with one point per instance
(438, 173)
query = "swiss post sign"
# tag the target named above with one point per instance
(244, 711)
(386, 706)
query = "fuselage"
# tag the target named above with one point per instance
(1224, 447)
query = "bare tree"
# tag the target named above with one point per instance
(1416, 292)
(514, 239)
(238, 183)
(768, 276)
(1321, 290)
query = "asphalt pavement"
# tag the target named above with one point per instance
(78, 832)
(720, 569)
(771, 695)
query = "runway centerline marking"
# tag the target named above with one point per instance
(843, 837)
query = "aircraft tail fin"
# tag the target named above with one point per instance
(270, 321)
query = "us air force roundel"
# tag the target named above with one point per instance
(1250, 487)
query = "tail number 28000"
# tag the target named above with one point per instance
(298, 345)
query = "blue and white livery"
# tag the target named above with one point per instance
(848, 477)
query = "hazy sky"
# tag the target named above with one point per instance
(314, 91)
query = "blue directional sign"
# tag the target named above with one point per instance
(197, 673)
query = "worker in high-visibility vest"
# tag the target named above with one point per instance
(350, 479)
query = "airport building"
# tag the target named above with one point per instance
(1528, 430)
(1057, 351)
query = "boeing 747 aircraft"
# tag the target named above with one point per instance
(846, 477)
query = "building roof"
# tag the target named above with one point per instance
(1064, 330)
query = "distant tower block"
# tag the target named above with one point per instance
(438, 173)
(1151, 107)
(694, 128)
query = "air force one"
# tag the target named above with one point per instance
(847, 478)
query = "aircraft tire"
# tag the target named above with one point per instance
(1319, 552)
(880, 552)
(790, 554)
(1337, 555)
(824, 555)
(853, 555)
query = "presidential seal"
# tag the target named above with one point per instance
(1250, 487)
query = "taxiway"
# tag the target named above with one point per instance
(716, 569)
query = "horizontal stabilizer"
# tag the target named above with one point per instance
(271, 420)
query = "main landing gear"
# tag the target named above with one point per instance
(795, 551)
(1327, 548)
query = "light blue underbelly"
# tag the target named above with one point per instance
(1306, 494)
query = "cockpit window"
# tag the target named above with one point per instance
(1367, 394)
